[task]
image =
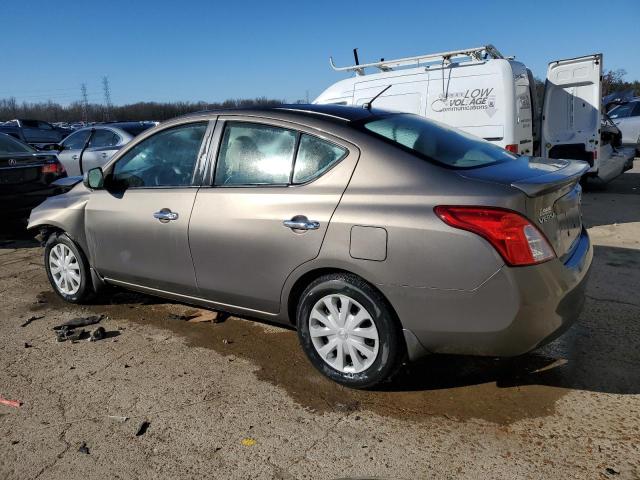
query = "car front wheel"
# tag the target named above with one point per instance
(67, 269)
(348, 331)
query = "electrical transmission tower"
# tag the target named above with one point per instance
(85, 103)
(107, 98)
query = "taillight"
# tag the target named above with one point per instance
(513, 148)
(516, 239)
(53, 167)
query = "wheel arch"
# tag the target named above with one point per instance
(309, 276)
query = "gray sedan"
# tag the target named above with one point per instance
(378, 235)
(103, 141)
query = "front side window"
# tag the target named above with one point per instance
(104, 138)
(166, 159)
(315, 156)
(76, 140)
(437, 142)
(255, 154)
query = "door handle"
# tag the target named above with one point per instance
(165, 215)
(104, 155)
(75, 157)
(301, 223)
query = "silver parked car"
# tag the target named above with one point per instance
(100, 143)
(378, 235)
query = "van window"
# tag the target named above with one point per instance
(255, 154)
(315, 156)
(437, 142)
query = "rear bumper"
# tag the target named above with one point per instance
(513, 312)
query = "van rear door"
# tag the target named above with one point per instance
(571, 109)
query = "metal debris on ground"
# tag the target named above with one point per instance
(31, 319)
(118, 418)
(80, 322)
(200, 316)
(10, 403)
(97, 334)
(83, 448)
(70, 334)
(227, 341)
(142, 429)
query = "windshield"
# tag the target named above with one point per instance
(9, 145)
(438, 142)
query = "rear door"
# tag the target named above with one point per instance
(266, 211)
(571, 108)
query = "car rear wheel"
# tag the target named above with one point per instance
(67, 269)
(348, 331)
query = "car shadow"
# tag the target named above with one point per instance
(598, 354)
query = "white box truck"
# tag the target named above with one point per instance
(484, 93)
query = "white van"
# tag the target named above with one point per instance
(480, 91)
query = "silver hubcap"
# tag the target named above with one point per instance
(65, 269)
(343, 333)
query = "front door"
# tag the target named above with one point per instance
(137, 226)
(266, 210)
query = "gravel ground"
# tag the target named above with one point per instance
(237, 399)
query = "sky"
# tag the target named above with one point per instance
(184, 50)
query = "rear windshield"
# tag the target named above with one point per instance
(9, 145)
(437, 142)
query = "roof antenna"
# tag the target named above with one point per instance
(367, 105)
(355, 56)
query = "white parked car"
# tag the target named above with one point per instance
(627, 119)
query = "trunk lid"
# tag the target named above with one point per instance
(552, 194)
(17, 170)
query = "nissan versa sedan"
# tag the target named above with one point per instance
(380, 236)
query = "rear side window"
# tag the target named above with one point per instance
(437, 142)
(255, 154)
(315, 156)
(104, 138)
(9, 145)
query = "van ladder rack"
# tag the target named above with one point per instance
(445, 57)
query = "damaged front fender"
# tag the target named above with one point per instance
(63, 212)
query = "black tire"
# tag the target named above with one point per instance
(85, 292)
(391, 348)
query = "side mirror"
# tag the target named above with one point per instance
(94, 179)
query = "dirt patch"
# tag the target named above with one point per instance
(453, 387)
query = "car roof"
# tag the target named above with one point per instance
(328, 112)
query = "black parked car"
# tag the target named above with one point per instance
(26, 177)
